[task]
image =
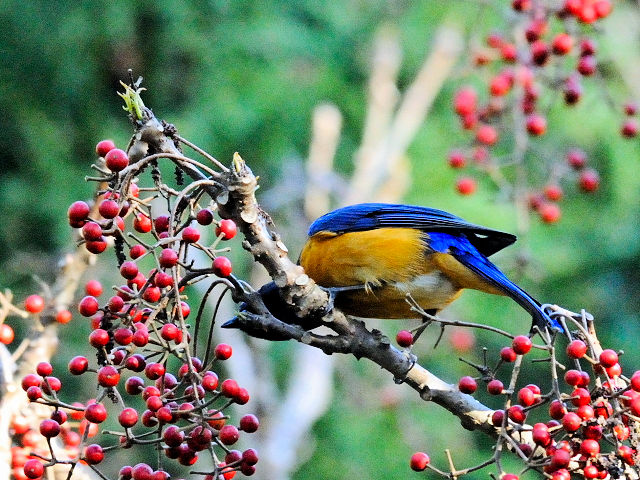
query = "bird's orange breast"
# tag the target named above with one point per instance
(370, 257)
(396, 261)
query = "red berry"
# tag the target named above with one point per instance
(161, 223)
(510, 476)
(78, 365)
(466, 185)
(526, 397)
(536, 29)
(229, 388)
(99, 338)
(467, 385)
(223, 351)
(30, 380)
(88, 306)
(562, 44)
(553, 192)
(142, 223)
(404, 338)
(456, 159)
(630, 108)
(494, 40)
(590, 471)
(140, 339)
(169, 331)
(33, 468)
(580, 397)
(539, 52)
(627, 454)
(115, 304)
(521, 5)
(108, 376)
(168, 258)
(465, 100)
(91, 231)
(249, 423)
(557, 410)
(602, 8)
(499, 85)
(44, 368)
(116, 160)
(129, 270)
(227, 228)
(78, 213)
(521, 344)
(34, 304)
(541, 436)
(629, 128)
(572, 377)
(93, 288)
(163, 280)
(142, 471)
(587, 47)
(589, 180)
(190, 235)
(586, 412)
(109, 209)
(572, 90)
(576, 158)
(6, 334)
(487, 135)
(495, 387)
(152, 294)
(96, 246)
(536, 124)
(419, 461)
(128, 417)
(550, 212)
(104, 146)
(154, 371)
(93, 454)
(63, 316)
(507, 354)
(587, 65)
(576, 349)
(222, 266)
(517, 414)
(123, 336)
(589, 448)
(134, 385)
(497, 417)
(228, 435)
(509, 52)
(95, 413)
(49, 428)
(204, 216)
(137, 251)
(608, 358)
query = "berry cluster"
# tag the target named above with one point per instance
(549, 49)
(586, 425)
(145, 347)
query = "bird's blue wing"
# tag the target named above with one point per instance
(369, 216)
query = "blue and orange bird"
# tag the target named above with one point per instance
(371, 255)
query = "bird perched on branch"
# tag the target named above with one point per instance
(372, 255)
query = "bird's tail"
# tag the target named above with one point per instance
(469, 256)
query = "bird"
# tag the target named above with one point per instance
(371, 256)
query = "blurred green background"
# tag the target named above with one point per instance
(245, 76)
